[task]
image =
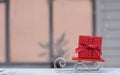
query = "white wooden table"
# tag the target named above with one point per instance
(33, 71)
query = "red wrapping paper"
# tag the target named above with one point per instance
(89, 47)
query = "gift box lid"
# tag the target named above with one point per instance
(90, 40)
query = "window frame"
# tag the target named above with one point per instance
(7, 36)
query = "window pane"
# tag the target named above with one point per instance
(71, 19)
(2, 32)
(28, 29)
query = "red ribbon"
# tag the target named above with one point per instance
(89, 47)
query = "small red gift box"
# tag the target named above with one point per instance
(89, 47)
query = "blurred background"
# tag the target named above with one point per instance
(33, 33)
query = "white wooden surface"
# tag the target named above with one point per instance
(23, 71)
(108, 26)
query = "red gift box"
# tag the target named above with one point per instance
(89, 47)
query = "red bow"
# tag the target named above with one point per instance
(90, 47)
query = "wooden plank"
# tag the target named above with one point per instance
(111, 52)
(111, 43)
(110, 6)
(111, 15)
(114, 34)
(112, 62)
(112, 24)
